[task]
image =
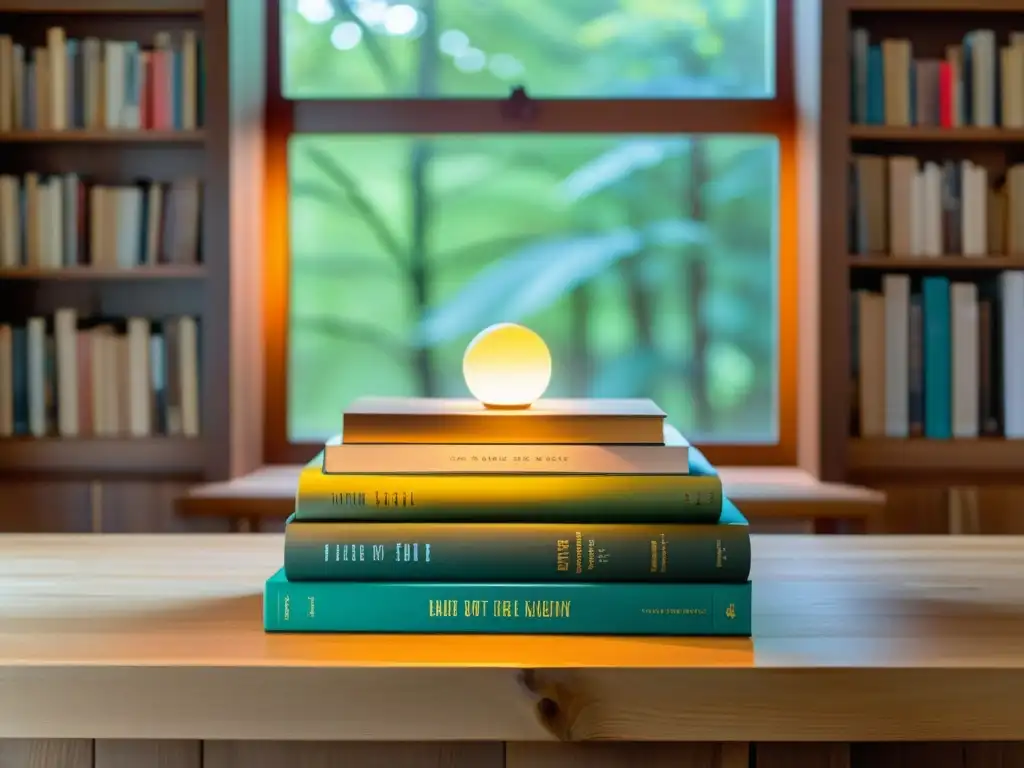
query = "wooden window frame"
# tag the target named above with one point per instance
(285, 117)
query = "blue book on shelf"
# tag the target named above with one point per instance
(937, 337)
(561, 609)
(876, 86)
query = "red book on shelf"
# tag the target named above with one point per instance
(945, 95)
(160, 94)
(146, 97)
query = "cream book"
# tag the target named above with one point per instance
(672, 458)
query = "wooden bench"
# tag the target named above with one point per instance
(768, 496)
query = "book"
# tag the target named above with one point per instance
(422, 459)
(69, 376)
(517, 552)
(579, 609)
(444, 421)
(695, 497)
(977, 82)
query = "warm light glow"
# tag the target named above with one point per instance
(507, 366)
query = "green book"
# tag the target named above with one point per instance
(519, 552)
(561, 609)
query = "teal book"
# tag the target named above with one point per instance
(519, 552)
(938, 365)
(557, 609)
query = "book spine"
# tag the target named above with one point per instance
(606, 609)
(523, 459)
(513, 552)
(937, 339)
(509, 497)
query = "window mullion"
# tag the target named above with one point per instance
(551, 116)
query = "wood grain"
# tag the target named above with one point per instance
(621, 755)
(46, 753)
(135, 753)
(234, 754)
(857, 639)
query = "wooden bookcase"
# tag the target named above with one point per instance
(223, 292)
(930, 25)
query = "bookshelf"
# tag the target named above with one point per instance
(902, 441)
(139, 268)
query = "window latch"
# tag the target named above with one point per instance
(519, 106)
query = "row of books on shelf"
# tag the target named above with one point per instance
(132, 377)
(978, 82)
(59, 221)
(96, 84)
(902, 206)
(939, 359)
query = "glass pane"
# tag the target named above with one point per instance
(555, 48)
(647, 263)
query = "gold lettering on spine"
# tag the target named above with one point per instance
(498, 609)
(579, 552)
(654, 556)
(562, 554)
(664, 553)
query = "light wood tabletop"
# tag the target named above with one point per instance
(856, 638)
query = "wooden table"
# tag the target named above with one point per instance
(764, 494)
(119, 639)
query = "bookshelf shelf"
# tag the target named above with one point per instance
(949, 460)
(102, 136)
(170, 272)
(152, 456)
(940, 263)
(86, 7)
(934, 134)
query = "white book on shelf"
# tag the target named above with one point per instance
(983, 54)
(931, 210)
(188, 350)
(56, 46)
(31, 221)
(974, 208)
(36, 369)
(1012, 296)
(113, 85)
(6, 381)
(65, 327)
(139, 388)
(6, 83)
(966, 361)
(896, 290)
(53, 206)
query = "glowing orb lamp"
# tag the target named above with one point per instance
(507, 366)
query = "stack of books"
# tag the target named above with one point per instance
(568, 517)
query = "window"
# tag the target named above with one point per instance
(632, 203)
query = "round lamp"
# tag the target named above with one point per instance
(507, 366)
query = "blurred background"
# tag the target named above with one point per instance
(647, 262)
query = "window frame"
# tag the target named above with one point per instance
(286, 117)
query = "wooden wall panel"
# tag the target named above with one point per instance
(619, 755)
(121, 753)
(802, 756)
(146, 507)
(911, 509)
(46, 753)
(41, 507)
(994, 755)
(907, 755)
(300, 754)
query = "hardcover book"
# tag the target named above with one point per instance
(588, 609)
(442, 421)
(694, 497)
(519, 552)
(669, 458)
